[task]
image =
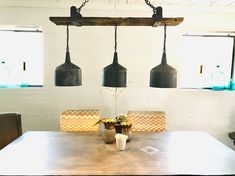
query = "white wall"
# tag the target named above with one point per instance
(139, 50)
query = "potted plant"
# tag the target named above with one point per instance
(108, 134)
(113, 126)
(123, 126)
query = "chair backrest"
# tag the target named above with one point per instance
(10, 128)
(147, 120)
(79, 120)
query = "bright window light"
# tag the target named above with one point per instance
(201, 56)
(21, 58)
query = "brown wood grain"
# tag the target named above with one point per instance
(57, 153)
(111, 21)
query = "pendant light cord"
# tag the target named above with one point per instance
(67, 47)
(164, 44)
(164, 61)
(115, 102)
(115, 36)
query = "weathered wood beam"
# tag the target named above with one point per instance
(111, 21)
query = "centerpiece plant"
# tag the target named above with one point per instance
(112, 126)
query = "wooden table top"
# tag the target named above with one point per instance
(57, 153)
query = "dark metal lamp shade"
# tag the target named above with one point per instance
(114, 75)
(68, 74)
(163, 75)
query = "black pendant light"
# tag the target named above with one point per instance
(114, 75)
(163, 75)
(68, 74)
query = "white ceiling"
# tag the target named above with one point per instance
(214, 5)
(203, 3)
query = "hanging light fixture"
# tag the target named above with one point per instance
(68, 74)
(163, 75)
(114, 75)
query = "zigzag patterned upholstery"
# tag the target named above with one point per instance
(147, 120)
(81, 121)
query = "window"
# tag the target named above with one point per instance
(203, 57)
(21, 57)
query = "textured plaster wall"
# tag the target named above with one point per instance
(139, 50)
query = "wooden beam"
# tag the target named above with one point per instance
(111, 21)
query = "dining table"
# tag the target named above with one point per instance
(148, 153)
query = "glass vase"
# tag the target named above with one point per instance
(108, 136)
(127, 131)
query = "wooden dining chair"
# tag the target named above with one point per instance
(10, 128)
(147, 120)
(81, 121)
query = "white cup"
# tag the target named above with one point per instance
(121, 141)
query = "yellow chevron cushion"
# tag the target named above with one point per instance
(147, 120)
(79, 120)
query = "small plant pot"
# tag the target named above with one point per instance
(118, 128)
(109, 133)
(109, 136)
(127, 131)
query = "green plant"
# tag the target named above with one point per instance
(108, 122)
(121, 119)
